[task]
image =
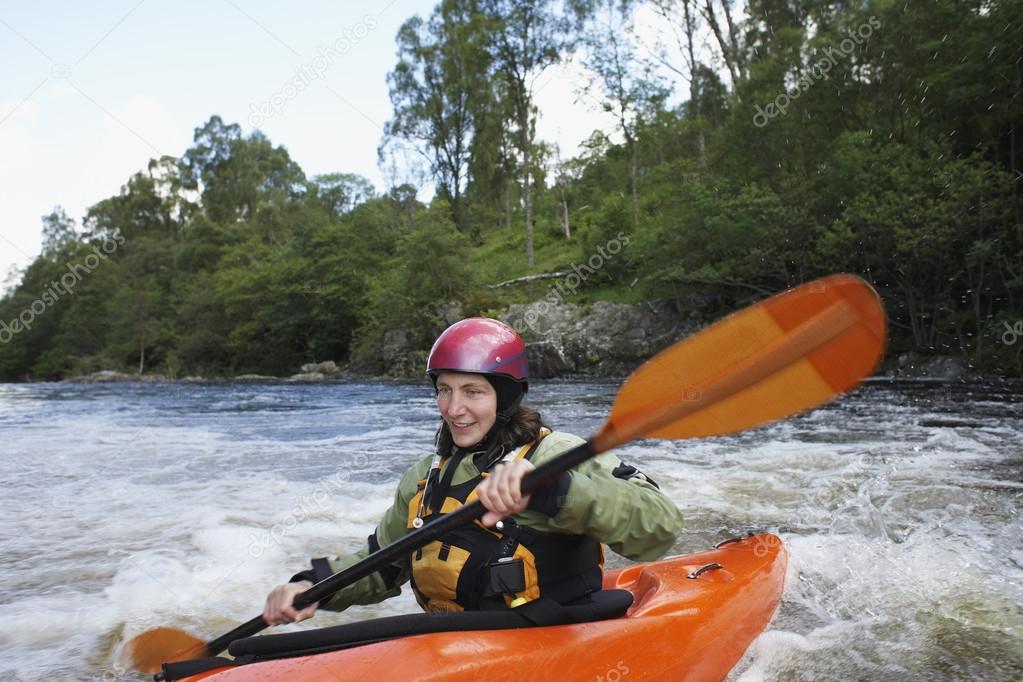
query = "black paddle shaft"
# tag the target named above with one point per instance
(542, 476)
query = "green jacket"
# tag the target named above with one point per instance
(630, 515)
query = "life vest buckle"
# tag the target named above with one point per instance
(507, 576)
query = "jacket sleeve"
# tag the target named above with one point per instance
(626, 512)
(387, 582)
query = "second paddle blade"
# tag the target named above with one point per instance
(853, 347)
(150, 650)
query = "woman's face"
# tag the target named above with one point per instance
(468, 405)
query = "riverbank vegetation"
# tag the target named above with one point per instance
(764, 149)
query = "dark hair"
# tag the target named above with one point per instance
(524, 427)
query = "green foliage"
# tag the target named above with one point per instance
(872, 137)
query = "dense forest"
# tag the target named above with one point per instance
(773, 142)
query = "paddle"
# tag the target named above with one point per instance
(771, 360)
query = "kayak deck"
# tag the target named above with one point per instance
(685, 624)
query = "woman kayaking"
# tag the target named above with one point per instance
(790, 353)
(547, 544)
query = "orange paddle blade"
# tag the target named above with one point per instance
(149, 651)
(782, 356)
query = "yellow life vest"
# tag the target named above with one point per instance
(475, 567)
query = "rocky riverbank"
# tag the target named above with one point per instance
(602, 339)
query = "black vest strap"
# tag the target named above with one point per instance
(438, 494)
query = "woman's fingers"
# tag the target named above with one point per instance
(501, 492)
(279, 609)
(304, 614)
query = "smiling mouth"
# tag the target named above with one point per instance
(462, 426)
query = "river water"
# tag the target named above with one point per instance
(129, 506)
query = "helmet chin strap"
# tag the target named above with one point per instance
(505, 415)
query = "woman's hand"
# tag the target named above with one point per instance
(501, 491)
(278, 609)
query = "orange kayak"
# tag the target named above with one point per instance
(692, 618)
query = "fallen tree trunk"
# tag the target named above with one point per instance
(530, 278)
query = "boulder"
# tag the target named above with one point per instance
(602, 339)
(547, 359)
(396, 342)
(449, 313)
(107, 375)
(542, 320)
(940, 367)
(308, 376)
(400, 359)
(329, 367)
(409, 364)
(605, 339)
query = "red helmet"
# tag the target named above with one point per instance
(482, 346)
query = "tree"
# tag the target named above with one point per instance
(611, 55)
(405, 293)
(924, 224)
(527, 37)
(684, 28)
(240, 177)
(58, 230)
(492, 162)
(140, 233)
(435, 88)
(727, 37)
(340, 193)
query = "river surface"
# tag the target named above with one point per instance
(129, 506)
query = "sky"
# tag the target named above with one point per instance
(89, 92)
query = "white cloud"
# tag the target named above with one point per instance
(567, 116)
(67, 151)
(15, 112)
(19, 229)
(137, 129)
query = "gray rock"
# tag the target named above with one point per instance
(407, 364)
(547, 359)
(607, 339)
(603, 339)
(542, 319)
(396, 341)
(308, 376)
(400, 359)
(942, 367)
(328, 367)
(449, 313)
(254, 377)
(107, 375)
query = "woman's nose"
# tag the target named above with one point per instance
(455, 405)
